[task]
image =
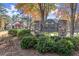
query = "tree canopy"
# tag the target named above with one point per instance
(37, 10)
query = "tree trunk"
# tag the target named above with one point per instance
(73, 7)
(42, 9)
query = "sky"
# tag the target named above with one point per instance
(10, 7)
(12, 11)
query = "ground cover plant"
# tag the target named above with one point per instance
(43, 43)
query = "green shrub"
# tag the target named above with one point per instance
(28, 42)
(23, 33)
(55, 38)
(75, 41)
(63, 46)
(13, 32)
(39, 34)
(44, 44)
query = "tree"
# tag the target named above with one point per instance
(73, 7)
(70, 15)
(3, 11)
(15, 17)
(3, 16)
(38, 10)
